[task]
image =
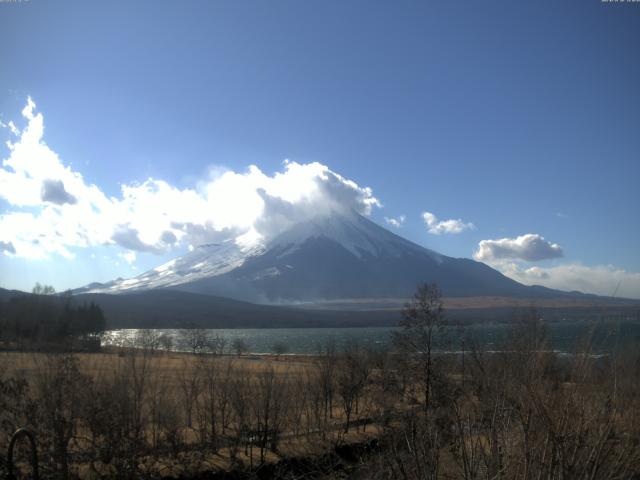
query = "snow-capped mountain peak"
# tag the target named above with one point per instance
(351, 231)
(329, 256)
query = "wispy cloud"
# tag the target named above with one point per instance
(395, 222)
(437, 227)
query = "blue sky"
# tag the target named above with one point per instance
(517, 117)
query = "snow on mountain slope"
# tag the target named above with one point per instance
(203, 262)
(336, 256)
(351, 231)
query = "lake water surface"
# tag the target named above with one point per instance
(563, 335)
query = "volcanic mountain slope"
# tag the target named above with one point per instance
(329, 257)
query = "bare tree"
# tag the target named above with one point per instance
(269, 409)
(352, 375)
(326, 379)
(388, 389)
(147, 339)
(280, 348)
(239, 346)
(169, 423)
(239, 396)
(59, 385)
(207, 403)
(217, 344)
(223, 397)
(39, 289)
(196, 340)
(166, 342)
(421, 318)
(190, 384)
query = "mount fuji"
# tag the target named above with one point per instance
(340, 256)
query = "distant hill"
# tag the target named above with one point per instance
(7, 294)
(177, 309)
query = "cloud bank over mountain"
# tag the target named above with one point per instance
(53, 209)
(600, 279)
(517, 258)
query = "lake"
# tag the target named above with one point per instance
(563, 336)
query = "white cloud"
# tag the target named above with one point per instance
(600, 280)
(395, 222)
(129, 257)
(436, 226)
(54, 210)
(530, 247)
(512, 256)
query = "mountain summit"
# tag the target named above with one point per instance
(336, 256)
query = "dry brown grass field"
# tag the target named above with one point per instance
(177, 384)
